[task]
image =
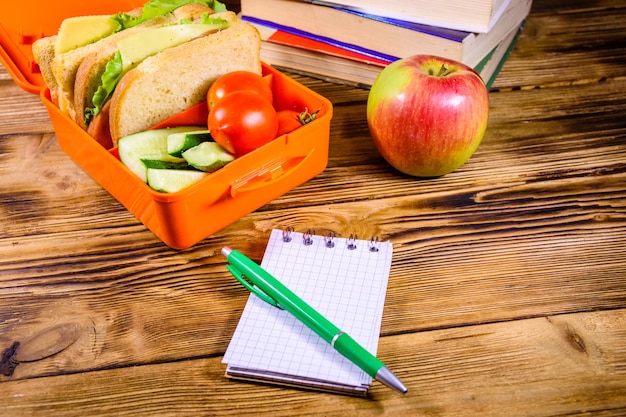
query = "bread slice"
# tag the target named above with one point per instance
(178, 78)
(87, 80)
(43, 53)
(93, 65)
(65, 66)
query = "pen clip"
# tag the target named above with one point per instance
(250, 287)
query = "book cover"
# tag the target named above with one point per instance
(476, 16)
(277, 33)
(291, 40)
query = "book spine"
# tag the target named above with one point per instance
(349, 47)
(508, 52)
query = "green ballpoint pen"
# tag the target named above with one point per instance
(254, 278)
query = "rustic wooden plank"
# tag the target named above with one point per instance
(571, 365)
(532, 135)
(505, 201)
(21, 112)
(453, 265)
(4, 75)
(486, 260)
(550, 136)
(574, 6)
(564, 46)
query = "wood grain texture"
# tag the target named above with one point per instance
(568, 44)
(571, 365)
(21, 112)
(507, 294)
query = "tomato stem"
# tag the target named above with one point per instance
(306, 117)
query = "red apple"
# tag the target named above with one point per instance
(427, 114)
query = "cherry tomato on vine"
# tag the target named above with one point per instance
(236, 81)
(290, 120)
(242, 121)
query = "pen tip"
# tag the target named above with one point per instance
(226, 251)
(388, 378)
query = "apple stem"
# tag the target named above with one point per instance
(444, 70)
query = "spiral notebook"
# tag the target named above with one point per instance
(345, 279)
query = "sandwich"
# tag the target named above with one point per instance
(143, 66)
(59, 56)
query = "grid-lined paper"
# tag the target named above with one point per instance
(347, 286)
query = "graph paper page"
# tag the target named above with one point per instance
(347, 286)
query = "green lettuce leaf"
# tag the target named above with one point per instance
(154, 8)
(208, 19)
(111, 76)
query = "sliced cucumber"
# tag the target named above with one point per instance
(172, 180)
(149, 144)
(207, 156)
(177, 143)
(175, 163)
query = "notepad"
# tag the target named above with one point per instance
(345, 279)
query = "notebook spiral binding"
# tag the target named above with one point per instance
(287, 234)
(329, 239)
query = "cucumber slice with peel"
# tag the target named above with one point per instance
(175, 163)
(149, 144)
(172, 180)
(207, 156)
(177, 143)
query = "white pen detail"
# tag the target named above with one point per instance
(335, 337)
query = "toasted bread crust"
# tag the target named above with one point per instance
(43, 53)
(178, 78)
(87, 80)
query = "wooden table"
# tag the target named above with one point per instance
(507, 294)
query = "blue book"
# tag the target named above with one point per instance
(319, 38)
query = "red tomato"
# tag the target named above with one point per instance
(236, 81)
(290, 120)
(242, 121)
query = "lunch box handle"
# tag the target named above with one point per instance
(269, 174)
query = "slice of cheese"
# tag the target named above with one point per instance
(82, 30)
(137, 47)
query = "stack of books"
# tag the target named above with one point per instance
(351, 41)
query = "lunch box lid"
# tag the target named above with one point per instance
(21, 24)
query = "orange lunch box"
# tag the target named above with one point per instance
(183, 218)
